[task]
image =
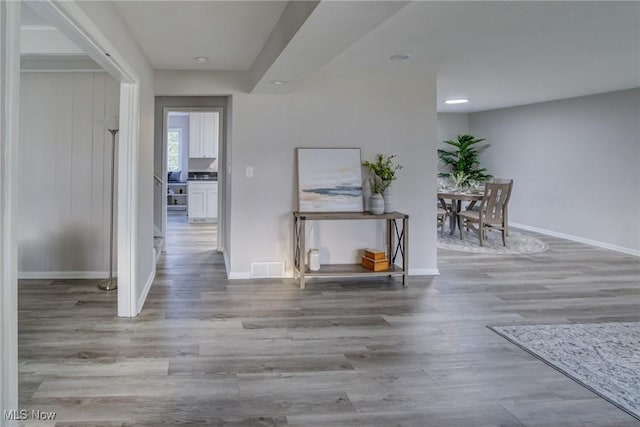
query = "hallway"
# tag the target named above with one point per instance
(208, 351)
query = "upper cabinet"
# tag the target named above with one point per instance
(204, 131)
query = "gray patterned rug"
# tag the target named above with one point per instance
(517, 243)
(604, 357)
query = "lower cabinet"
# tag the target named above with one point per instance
(203, 201)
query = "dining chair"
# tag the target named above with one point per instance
(473, 206)
(491, 213)
(442, 219)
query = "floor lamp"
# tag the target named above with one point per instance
(111, 284)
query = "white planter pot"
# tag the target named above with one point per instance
(389, 199)
(376, 204)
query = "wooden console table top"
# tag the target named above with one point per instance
(347, 215)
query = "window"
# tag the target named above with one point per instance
(174, 145)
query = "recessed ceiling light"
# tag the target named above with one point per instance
(456, 101)
(279, 82)
(201, 59)
(400, 57)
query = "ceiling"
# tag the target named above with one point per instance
(497, 54)
(172, 33)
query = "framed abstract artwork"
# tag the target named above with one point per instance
(329, 180)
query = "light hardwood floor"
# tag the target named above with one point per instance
(208, 351)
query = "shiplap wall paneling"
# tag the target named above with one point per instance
(64, 169)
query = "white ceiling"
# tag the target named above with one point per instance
(502, 54)
(497, 54)
(173, 33)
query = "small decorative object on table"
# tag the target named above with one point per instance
(375, 260)
(376, 201)
(314, 260)
(384, 173)
(459, 180)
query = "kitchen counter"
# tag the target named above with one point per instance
(203, 176)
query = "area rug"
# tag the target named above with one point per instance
(517, 243)
(604, 357)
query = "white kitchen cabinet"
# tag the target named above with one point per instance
(203, 201)
(212, 202)
(204, 131)
(197, 202)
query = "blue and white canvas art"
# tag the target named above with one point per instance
(329, 180)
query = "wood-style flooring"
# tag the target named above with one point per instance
(209, 351)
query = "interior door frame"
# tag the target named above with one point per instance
(71, 20)
(9, 125)
(221, 176)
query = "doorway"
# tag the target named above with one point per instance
(190, 147)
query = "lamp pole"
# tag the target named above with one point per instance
(110, 284)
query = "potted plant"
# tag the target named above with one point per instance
(462, 163)
(384, 173)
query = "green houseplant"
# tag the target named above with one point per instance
(384, 173)
(463, 159)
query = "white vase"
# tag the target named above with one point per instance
(376, 204)
(389, 199)
(314, 260)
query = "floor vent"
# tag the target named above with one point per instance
(267, 269)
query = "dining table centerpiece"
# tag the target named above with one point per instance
(384, 173)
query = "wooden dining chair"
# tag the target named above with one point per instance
(491, 213)
(442, 219)
(473, 206)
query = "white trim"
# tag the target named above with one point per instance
(42, 275)
(9, 126)
(596, 243)
(147, 287)
(227, 262)
(127, 199)
(243, 275)
(424, 272)
(239, 275)
(70, 20)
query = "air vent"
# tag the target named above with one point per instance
(267, 269)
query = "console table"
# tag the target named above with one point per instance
(397, 244)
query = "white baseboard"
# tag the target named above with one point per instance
(227, 264)
(41, 275)
(243, 275)
(147, 288)
(596, 243)
(239, 275)
(424, 272)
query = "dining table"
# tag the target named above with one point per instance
(457, 197)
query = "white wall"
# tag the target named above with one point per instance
(107, 19)
(450, 125)
(65, 164)
(378, 113)
(575, 164)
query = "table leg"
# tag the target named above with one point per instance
(455, 207)
(302, 263)
(390, 238)
(405, 251)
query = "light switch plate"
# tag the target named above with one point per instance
(249, 172)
